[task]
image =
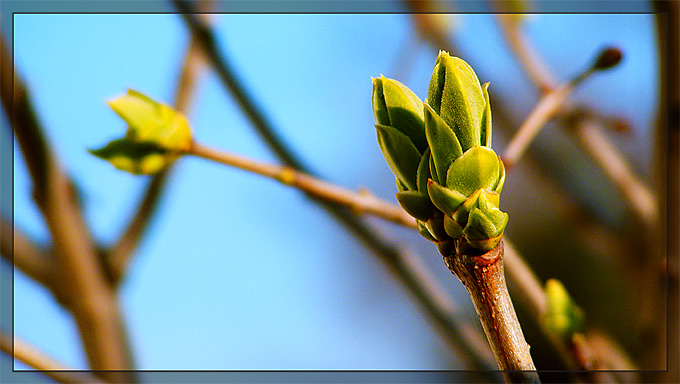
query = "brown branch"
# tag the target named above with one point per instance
(549, 105)
(484, 280)
(639, 197)
(386, 252)
(21, 251)
(92, 302)
(31, 356)
(359, 202)
(530, 61)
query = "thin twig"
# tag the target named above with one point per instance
(120, 254)
(33, 357)
(547, 107)
(92, 302)
(589, 134)
(532, 63)
(388, 253)
(359, 202)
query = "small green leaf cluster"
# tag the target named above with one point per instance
(448, 176)
(156, 135)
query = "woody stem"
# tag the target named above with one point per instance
(484, 280)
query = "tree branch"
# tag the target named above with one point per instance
(390, 255)
(533, 65)
(484, 280)
(21, 251)
(359, 202)
(31, 356)
(92, 302)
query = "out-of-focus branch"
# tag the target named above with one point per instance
(120, 254)
(31, 356)
(532, 63)
(576, 353)
(24, 254)
(608, 157)
(390, 255)
(547, 107)
(640, 198)
(92, 302)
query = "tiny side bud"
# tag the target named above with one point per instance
(608, 58)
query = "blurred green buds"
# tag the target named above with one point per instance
(564, 317)
(440, 152)
(155, 137)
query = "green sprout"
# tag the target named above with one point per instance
(156, 135)
(563, 317)
(449, 178)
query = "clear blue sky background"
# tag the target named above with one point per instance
(239, 272)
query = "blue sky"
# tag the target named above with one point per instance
(239, 272)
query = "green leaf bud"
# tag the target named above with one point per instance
(134, 157)
(401, 154)
(151, 121)
(416, 204)
(445, 199)
(563, 317)
(443, 143)
(455, 94)
(479, 220)
(155, 137)
(395, 105)
(451, 182)
(478, 168)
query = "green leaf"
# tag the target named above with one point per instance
(395, 105)
(456, 95)
(415, 204)
(135, 156)
(155, 137)
(501, 177)
(424, 232)
(452, 228)
(400, 153)
(446, 200)
(443, 143)
(150, 121)
(460, 215)
(485, 225)
(423, 171)
(485, 245)
(477, 169)
(485, 135)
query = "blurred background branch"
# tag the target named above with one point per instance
(606, 241)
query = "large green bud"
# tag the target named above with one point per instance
(400, 129)
(448, 176)
(466, 174)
